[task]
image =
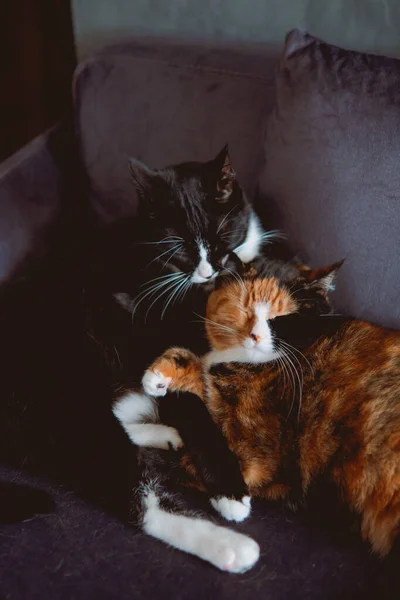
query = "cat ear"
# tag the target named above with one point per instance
(142, 175)
(226, 176)
(321, 278)
(231, 270)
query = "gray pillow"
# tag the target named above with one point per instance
(332, 170)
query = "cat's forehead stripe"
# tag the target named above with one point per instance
(261, 310)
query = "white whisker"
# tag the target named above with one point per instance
(274, 234)
(292, 348)
(170, 286)
(225, 218)
(154, 289)
(289, 358)
(238, 278)
(147, 283)
(172, 297)
(176, 248)
(222, 327)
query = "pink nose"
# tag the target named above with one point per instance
(205, 270)
(256, 337)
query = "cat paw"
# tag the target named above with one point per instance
(234, 552)
(232, 510)
(169, 439)
(155, 383)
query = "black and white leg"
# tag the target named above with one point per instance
(138, 415)
(163, 517)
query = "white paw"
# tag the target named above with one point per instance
(232, 510)
(168, 437)
(234, 552)
(155, 383)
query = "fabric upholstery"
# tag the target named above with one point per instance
(82, 553)
(179, 103)
(52, 384)
(332, 152)
(29, 201)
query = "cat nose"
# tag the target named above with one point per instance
(255, 337)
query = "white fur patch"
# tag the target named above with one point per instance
(239, 354)
(133, 408)
(260, 339)
(154, 436)
(232, 510)
(155, 383)
(225, 549)
(250, 248)
(204, 270)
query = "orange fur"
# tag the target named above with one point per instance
(349, 424)
(233, 309)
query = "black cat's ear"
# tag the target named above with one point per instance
(226, 176)
(321, 278)
(142, 176)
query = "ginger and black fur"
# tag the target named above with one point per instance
(324, 402)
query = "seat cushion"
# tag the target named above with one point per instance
(166, 103)
(332, 152)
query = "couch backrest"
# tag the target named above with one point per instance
(165, 103)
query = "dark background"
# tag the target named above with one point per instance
(37, 59)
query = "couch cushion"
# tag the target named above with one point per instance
(333, 169)
(166, 103)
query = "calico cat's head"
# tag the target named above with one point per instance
(195, 214)
(248, 315)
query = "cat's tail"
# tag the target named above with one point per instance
(21, 502)
(163, 517)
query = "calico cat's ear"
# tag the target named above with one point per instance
(232, 268)
(226, 176)
(321, 278)
(142, 175)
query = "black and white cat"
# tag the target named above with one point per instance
(190, 218)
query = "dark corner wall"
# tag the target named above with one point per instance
(37, 59)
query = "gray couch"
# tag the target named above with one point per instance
(162, 102)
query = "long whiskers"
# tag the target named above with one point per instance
(238, 278)
(174, 294)
(167, 240)
(272, 235)
(177, 247)
(224, 328)
(291, 361)
(155, 285)
(225, 218)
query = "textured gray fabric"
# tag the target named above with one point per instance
(333, 169)
(169, 104)
(29, 201)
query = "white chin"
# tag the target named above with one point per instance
(257, 354)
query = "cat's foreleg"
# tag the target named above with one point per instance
(177, 370)
(138, 415)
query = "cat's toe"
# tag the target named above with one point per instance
(175, 441)
(155, 383)
(232, 510)
(236, 553)
(168, 438)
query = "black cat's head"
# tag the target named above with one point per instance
(193, 215)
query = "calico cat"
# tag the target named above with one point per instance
(298, 395)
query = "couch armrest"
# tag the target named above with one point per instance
(30, 198)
